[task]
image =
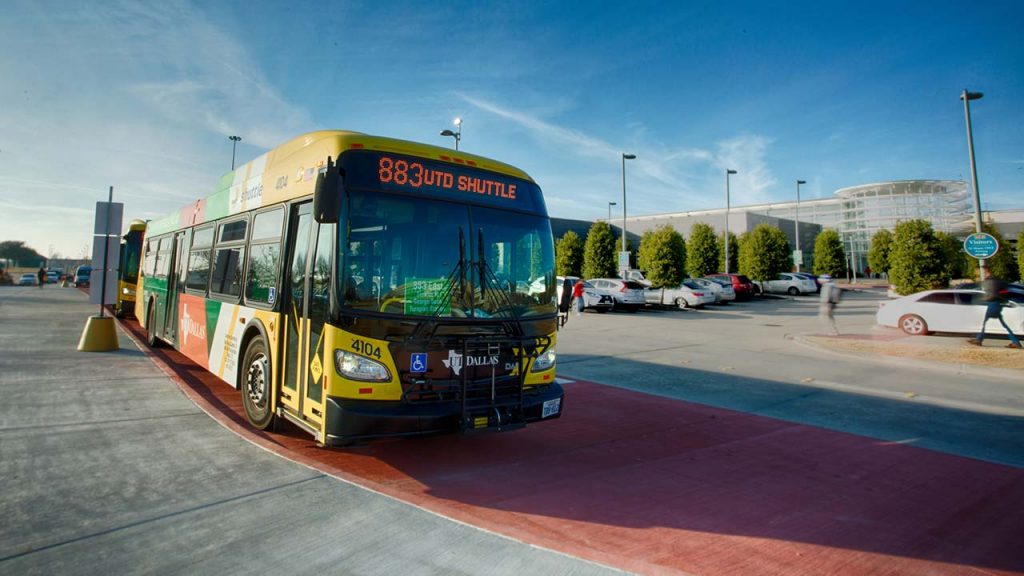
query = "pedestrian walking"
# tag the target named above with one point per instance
(830, 296)
(564, 301)
(577, 297)
(42, 276)
(995, 296)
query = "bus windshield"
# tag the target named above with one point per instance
(131, 250)
(413, 256)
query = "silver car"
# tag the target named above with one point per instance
(722, 292)
(591, 298)
(790, 284)
(627, 295)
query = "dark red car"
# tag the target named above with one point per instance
(744, 288)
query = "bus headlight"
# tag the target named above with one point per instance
(545, 360)
(360, 368)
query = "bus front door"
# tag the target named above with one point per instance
(307, 283)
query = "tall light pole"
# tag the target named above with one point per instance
(967, 97)
(727, 173)
(624, 158)
(234, 142)
(457, 134)
(610, 204)
(797, 231)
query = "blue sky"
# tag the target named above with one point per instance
(142, 96)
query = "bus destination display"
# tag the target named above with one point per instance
(416, 175)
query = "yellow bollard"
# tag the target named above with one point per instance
(99, 335)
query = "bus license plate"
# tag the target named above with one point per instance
(551, 407)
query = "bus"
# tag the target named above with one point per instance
(128, 268)
(364, 287)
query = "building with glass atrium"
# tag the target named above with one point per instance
(856, 212)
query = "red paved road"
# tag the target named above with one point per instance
(653, 485)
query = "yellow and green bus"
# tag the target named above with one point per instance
(364, 287)
(128, 268)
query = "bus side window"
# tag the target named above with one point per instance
(228, 259)
(264, 258)
(199, 260)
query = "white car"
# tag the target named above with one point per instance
(591, 298)
(790, 284)
(946, 311)
(686, 295)
(626, 294)
(722, 292)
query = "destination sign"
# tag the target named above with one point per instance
(408, 174)
(415, 175)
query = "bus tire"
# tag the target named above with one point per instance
(151, 340)
(256, 384)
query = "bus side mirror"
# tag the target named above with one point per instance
(327, 195)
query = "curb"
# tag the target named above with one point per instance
(954, 367)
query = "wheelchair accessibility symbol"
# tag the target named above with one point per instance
(418, 362)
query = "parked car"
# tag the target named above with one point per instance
(627, 295)
(686, 295)
(82, 274)
(812, 277)
(1013, 292)
(789, 283)
(723, 292)
(741, 285)
(591, 298)
(638, 277)
(946, 311)
(28, 280)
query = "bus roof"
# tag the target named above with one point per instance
(290, 170)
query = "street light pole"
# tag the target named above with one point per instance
(624, 158)
(727, 173)
(610, 204)
(967, 97)
(234, 142)
(457, 135)
(797, 231)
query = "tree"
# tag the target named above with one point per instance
(734, 253)
(765, 253)
(662, 256)
(878, 254)
(569, 255)
(953, 255)
(829, 256)
(702, 252)
(1020, 255)
(23, 255)
(915, 259)
(1002, 265)
(599, 252)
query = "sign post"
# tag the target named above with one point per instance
(981, 246)
(99, 334)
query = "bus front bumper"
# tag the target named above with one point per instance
(352, 420)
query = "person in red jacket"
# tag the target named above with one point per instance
(577, 297)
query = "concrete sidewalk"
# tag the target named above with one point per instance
(947, 352)
(108, 467)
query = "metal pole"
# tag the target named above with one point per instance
(797, 231)
(967, 97)
(234, 141)
(623, 202)
(610, 204)
(106, 255)
(624, 158)
(727, 173)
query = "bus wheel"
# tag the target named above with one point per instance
(151, 339)
(256, 384)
